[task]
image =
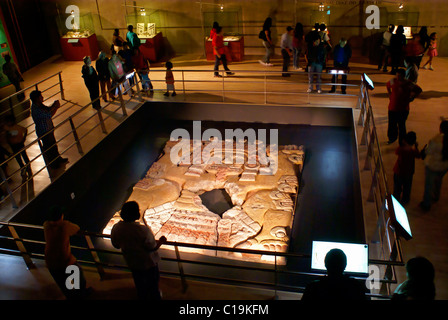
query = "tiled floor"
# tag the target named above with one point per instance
(429, 229)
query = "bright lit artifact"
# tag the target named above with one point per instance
(262, 206)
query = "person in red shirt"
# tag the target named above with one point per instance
(401, 92)
(169, 79)
(404, 167)
(141, 64)
(220, 52)
(213, 31)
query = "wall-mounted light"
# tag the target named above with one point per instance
(401, 6)
(143, 11)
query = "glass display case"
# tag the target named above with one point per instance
(77, 37)
(147, 27)
(82, 29)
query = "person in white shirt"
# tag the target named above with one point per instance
(287, 50)
(139, 247)
(435, 155)
(385, 48)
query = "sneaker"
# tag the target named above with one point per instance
(230, 73)
(262, 63)
(269, 64)
(425, 67)
(218, 76)
(319, 91)
(332, 91)
(173, 94)
(309, 90)
(166, 94)
(300, 69)
(431, 68)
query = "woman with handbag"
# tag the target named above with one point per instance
(435, 155)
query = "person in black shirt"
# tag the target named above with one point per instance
(397, 45)
(92, 82)
(336, 285)
(102, 67)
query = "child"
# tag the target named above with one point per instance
(432, 50)
(404, 167)
(169, 78)
(16, 136)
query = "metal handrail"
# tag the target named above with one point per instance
(27, 255)
(379, 188)
(34, 86)
(73, 131)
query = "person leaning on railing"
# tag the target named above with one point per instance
(42, 116)
(139, 248)
(58, 255)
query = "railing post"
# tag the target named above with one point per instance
(265, 90)
(39, 142)
(103, 126)
(123, 105)
(95, 257)
(139, 91)
(26, 257)
(61, 86)
(223, 88)
(75, 135)
(181, 270)
(183, 83)
(11, 107)
(365, 132)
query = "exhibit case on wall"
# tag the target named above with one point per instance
(147, 28)
(80, 39)
(229, 20)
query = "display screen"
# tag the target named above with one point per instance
(401, 217)
(369, 81)
(407, 32)
(357, 255)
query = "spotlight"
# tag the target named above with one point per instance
(401, 6)
(222, 7)
(321, 7)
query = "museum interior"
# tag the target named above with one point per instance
(252, 163)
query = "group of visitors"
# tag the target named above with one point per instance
(395, 48)
(118, 70)
(402, 90)
(338, 286)
(435, 157)
(314, 47)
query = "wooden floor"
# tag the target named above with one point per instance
(429, 228)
